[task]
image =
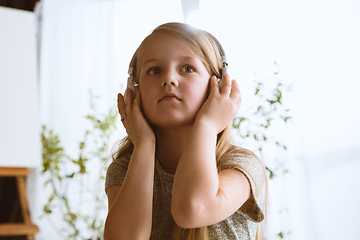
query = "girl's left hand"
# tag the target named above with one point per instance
(221, 106)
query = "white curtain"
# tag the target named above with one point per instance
(88, 45)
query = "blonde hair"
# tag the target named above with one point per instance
(202, 45)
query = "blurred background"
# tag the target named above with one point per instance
(56, 55)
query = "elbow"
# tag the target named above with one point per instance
(109, 233)
(106, 234)
(188, 214)
(123, 236)
(117, 232)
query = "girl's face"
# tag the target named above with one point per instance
(173, 82)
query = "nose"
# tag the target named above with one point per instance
(170, 79)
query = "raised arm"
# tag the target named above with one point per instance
(201, 196)
(130, 205)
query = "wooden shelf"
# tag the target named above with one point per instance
(13, 172)
(25, 227)
(17, 229)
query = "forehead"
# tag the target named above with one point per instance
(159, 43)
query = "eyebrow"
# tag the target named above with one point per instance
(156, 60)
(149, 61)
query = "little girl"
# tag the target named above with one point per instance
(177, 175)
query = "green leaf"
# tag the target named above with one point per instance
(47, 182)
(90, 117)
(52, 197)
(271, 173)
(271, 101)
(70, 176)
(47, 209)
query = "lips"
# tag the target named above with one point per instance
(169, 96)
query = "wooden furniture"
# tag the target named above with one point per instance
(25, 228)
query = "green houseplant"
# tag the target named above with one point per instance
(63, 173)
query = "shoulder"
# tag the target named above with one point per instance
(116, 171)
(243, 160)
(119, 162)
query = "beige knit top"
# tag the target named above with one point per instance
(240, 225)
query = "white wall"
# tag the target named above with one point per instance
(19, 121)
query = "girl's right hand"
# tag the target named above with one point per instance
(133, 120)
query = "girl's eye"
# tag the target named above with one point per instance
(188, 69)
(153, 71)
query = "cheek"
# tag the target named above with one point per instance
(148, 102)
(146, 108)
(146, 90)
(145, 99)
(198, 94)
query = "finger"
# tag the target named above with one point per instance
(137, 100)
(128, 100)
(121, 108)
(214, 85)
(226, 88)
(238, 102)
(120, 104)
(235, 92)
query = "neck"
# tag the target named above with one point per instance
(170, 145)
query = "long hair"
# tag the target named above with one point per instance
(203, 46)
